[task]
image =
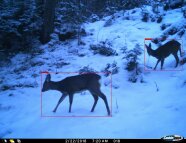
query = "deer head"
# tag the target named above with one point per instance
(46, 85)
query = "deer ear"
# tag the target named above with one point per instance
(48, 77)
(149, 45)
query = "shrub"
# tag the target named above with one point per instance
(164, 26)
(109, 22)
(94, 18)
(111, 69)
(103, 48)
(145, 16)
(132, 57)
(181, 32)
(86, 69)
(155, 41)
(163, 38)
(60, 64)
(153, 19)
(183, 61)
(6, 87)
(159, 19)
(66, 35)
(173, 31)
(123, 49)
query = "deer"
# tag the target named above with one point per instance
(75, 84)
(162, 52)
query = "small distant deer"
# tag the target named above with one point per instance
(164, 51)
(73, 84)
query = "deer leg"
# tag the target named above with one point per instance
(60, 100)
(106, 103)
(162, 62)
(177, 59)
(96, 91)
(95, 101)
(70, 101)
(157, 64)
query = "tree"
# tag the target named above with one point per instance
(48, 20)
(70, 14)
(20, 25)
(132, 57)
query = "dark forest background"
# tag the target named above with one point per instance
(26, 24)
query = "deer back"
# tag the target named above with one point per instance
(78, 83)
(165, 50)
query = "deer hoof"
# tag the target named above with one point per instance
(54, 111)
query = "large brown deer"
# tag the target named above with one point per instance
(171, 47)
(73, 84)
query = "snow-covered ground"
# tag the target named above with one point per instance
(138, 109)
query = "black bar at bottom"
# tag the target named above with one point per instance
(86, 141)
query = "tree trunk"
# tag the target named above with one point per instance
(79, 21)
(48, 20)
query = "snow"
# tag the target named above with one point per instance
(138, 109)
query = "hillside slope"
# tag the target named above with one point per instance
(138, 109)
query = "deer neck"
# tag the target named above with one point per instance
(54, 85)
(151, 52)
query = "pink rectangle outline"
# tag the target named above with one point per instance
(46, 72)
(160, 69)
